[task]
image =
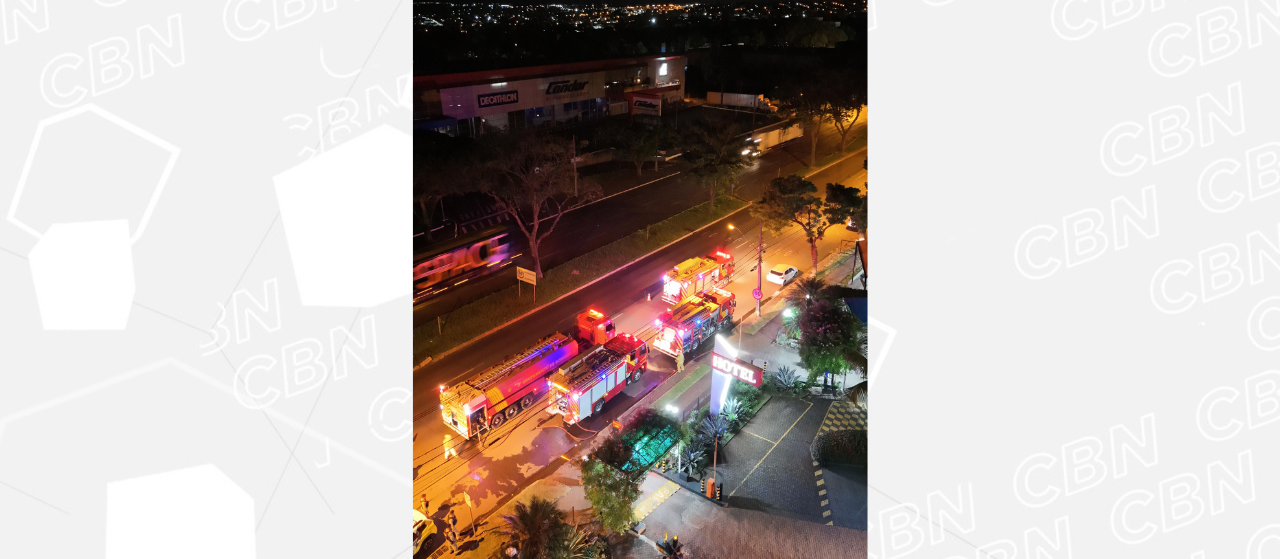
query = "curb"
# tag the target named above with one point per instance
(580, 288)
(828, 165)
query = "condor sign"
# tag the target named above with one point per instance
(499, 98)
(646, 106)
(737, 368)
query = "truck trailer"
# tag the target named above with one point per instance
(696, 275)
(581, 388)
(501, 392)
(694, 320)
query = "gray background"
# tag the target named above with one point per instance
(241, 95)
(991, 119)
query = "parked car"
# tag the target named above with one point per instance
(782, 273)
(423, 527)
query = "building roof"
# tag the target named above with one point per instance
(443, 81)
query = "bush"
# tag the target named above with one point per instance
(847, 446)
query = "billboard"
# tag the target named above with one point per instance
(738, 369)
(646, 105)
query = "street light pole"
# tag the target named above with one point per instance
(760, 268)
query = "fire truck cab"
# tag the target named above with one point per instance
(694, 320)
(581, 388)
(594, 327)
(696, 275)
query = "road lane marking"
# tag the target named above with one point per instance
(819, 483)
(822, 492)
(758, 437)
(824, 502)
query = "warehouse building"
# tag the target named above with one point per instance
(520, 98)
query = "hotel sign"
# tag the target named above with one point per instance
(738, 369)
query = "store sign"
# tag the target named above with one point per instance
(565, 86)
(500, 98)
(738, 369)
(646, 106)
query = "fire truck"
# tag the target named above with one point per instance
(500, 393)
(694, 320)
(581, 388)
(696, 275)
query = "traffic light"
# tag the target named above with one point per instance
(719, 491)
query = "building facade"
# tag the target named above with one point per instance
(519, 98)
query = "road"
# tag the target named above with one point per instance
(532, 446)
(599, 224)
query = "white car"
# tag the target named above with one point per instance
(782, 273)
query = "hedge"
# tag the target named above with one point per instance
(846, 446)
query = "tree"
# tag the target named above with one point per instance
(829, 338)
(806, 102)
(792, 200)
(641, 144)
(844, 106)
(611, 493)
(532, 527)
(808, 290)
(716, 152)
(531, 179)
(570, 542)
(440, 169)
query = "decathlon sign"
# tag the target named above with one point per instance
(738, 369)
(499, 98)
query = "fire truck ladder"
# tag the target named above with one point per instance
(497, 373)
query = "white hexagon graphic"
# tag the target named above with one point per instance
(88, 166)
(83, 276)
(341, 212)
(194, 512)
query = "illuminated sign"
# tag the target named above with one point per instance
(738, 369)
(565, 86)
(499, 98)
(646, 106)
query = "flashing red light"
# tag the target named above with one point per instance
(442, 389)
(722, 255)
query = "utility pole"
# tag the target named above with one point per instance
(574, 159)
(760, 268)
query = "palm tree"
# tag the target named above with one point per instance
(571, 542)
(807, 290)
(532, 527)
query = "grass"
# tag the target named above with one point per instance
(474, 319)
(680, 387)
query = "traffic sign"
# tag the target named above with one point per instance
(757, 293)
(467, 497)
(526, 276)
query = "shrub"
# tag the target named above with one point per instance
(711, 428)
(847, 446)
(732, 413)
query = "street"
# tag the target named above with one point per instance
(603, 222)
(533, 445)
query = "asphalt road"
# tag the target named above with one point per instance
(601, 223)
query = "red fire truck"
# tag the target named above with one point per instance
(696, 275)
(696, 319)
(581, 388)
(500, 393)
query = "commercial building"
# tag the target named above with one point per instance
(518, 98)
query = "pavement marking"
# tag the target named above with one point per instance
(817, 473)
(824, 502)
(826, 513)
(758, 436)
(822, 492)
(820, 482)
(843, 415)
(652, 501)
(815, 463)
(775, 445)
(829, 523)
